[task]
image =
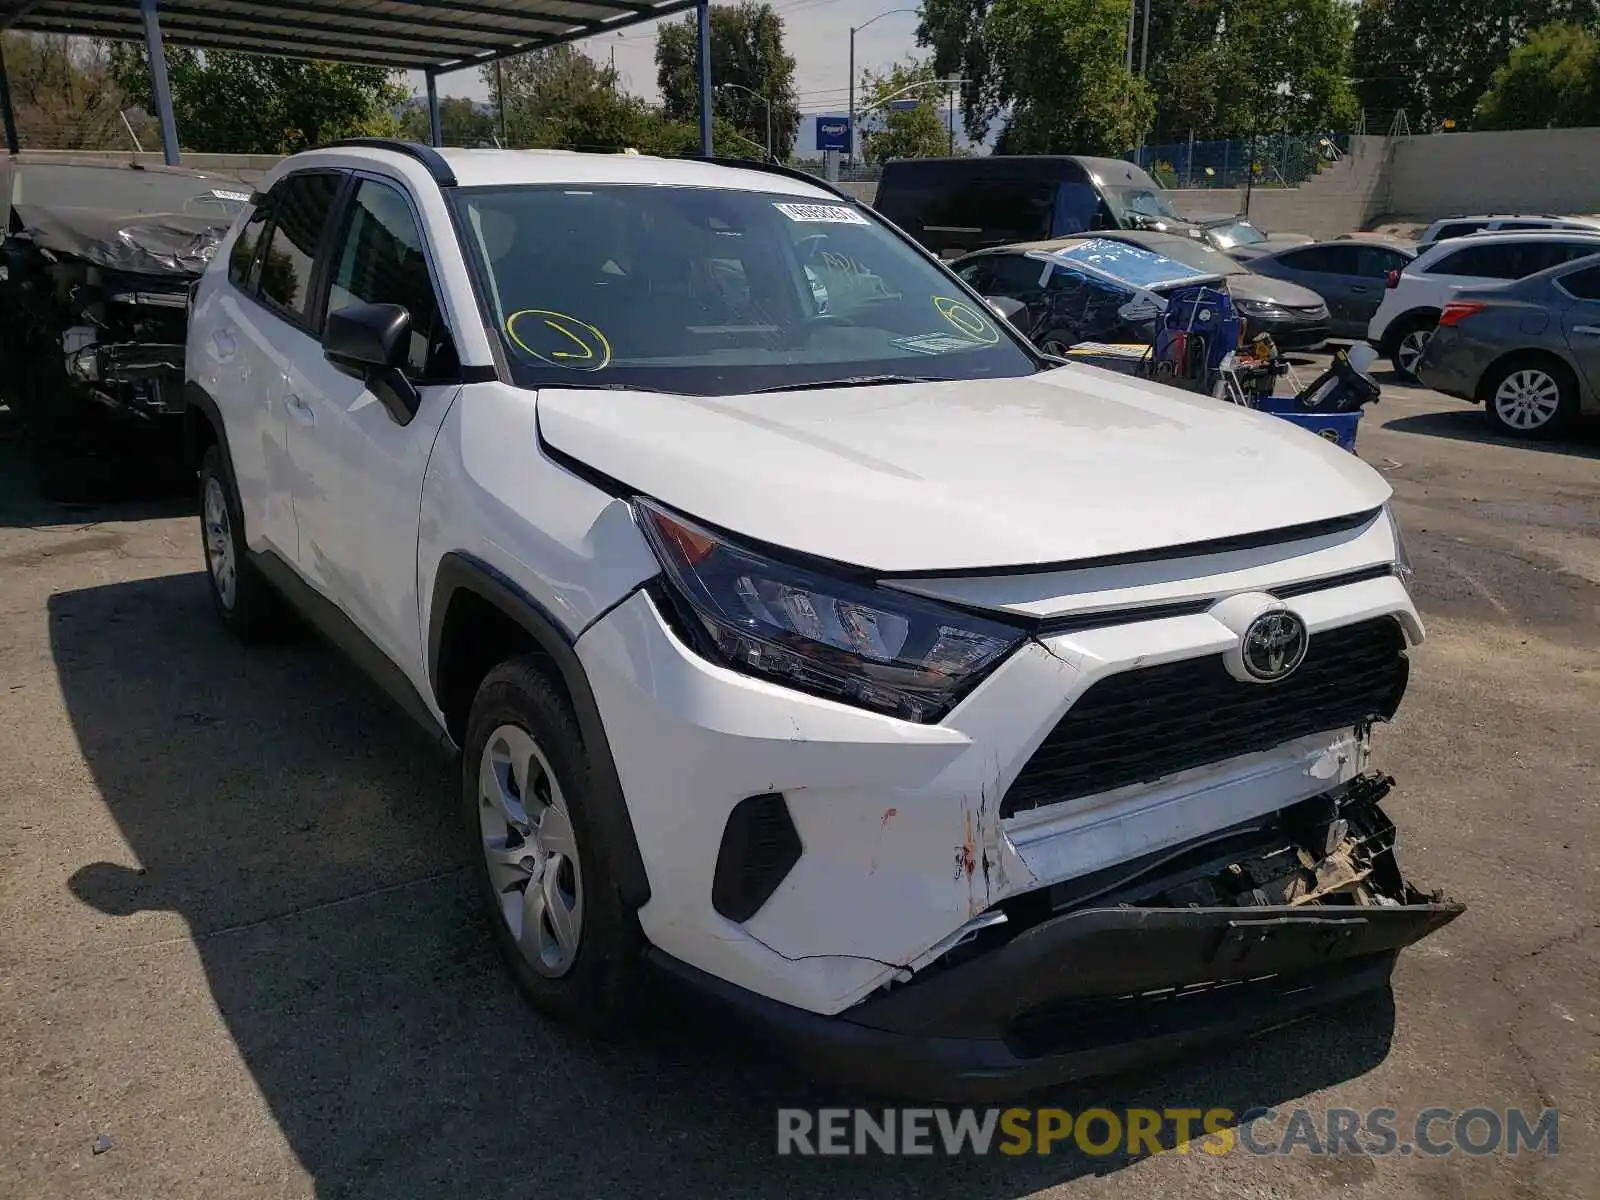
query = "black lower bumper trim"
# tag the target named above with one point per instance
(1086, 994)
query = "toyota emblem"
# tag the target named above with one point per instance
(1273, 646)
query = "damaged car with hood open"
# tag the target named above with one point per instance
(97, 263)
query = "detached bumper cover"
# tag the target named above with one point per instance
(1089, 993)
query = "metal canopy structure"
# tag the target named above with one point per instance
(432, 36)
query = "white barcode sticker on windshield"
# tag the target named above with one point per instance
(241, 197)
(835, 214)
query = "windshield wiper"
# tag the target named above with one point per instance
(848, 381)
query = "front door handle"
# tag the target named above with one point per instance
(1590, 329)
(1360, 287)
(300, 410)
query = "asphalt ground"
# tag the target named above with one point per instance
(238, 957)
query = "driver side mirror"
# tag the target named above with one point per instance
(371, 343)
(1011, 310)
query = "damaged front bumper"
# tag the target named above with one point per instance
(1242, 931)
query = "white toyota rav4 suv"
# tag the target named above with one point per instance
(962, 719)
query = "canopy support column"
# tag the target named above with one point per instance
(158, 81)
(9, 116)
(435, 123)
(705, 78)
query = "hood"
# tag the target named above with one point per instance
(1069, 464)
(1273, 291)
(145, 244)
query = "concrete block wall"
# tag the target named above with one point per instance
(247, 167)
(1524, 170)
(1345, 195)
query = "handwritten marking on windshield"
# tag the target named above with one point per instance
(967, 320)
(567, 342)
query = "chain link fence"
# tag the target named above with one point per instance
(1279, 160)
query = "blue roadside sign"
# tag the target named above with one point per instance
(833, 133)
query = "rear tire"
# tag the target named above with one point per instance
(245, 601)
(1530, 398)
(1407, 344)
(570, 940)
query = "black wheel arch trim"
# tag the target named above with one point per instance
(459, 572)
(1403, 324)
(198, 404)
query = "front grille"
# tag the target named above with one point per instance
(1140, 726)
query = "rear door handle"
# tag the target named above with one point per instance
(300, 410)
(1590, 329)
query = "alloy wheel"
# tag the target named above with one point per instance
(531, 850)
(1528, 399)
(1411, 349)
(219, 543)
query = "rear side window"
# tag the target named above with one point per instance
(302, 205)
(1323, 260)
(381, 261)
(1459, 229)
(1006, 204)
(1482, 262)
(1375, 262)
(1584, 284)
(1512, 260)
(1015, 275)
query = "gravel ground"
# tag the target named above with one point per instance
(237, 957)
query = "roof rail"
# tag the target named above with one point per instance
(771, 168)
(430, 158)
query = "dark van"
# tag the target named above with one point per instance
(956, 205)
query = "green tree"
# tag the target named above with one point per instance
(907, 133)
(746, 51)
(1063, 80)
(1551, 82)
(1435, 58)
(561, 98)
(258, 104)
(65, 97)
(1241, 68)
(461, 123)
(1053, 69)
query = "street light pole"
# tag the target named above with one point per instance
(850, 158)
(768, 103)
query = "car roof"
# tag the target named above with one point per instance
(503, 168)
(1516, 216)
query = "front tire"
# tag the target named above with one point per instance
(542, 872)
(245, 601)
(1532, 398)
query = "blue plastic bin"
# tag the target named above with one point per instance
(1336, 427)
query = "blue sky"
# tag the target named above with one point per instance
(816, 32)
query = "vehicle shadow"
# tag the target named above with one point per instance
(1470, 425)
(306, 835)
(135, 481)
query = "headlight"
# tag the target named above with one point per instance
(1259, 308)
(1402, 560)
(847, 641)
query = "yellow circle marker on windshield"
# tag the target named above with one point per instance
(567, 342)
(970, 322)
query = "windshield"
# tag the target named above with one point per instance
(129, 190)
(1236, 233)
(1131, 264)
(1127, 202)
(716, 292)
